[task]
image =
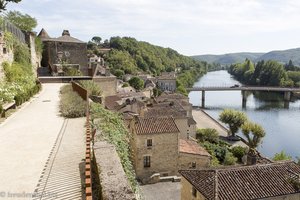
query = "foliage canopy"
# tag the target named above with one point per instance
(23, 21)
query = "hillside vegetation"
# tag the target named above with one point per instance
(129, 56)
(280, 56)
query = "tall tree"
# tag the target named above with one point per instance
(254, 134)
(3, 3)
(23, 21)
(97, 40)
(234, 119)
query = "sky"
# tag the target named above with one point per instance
(191, 27)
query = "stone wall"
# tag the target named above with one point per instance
(185, 161)
(35, 59)
(113, 181)
(186, 191)
(163, 155)
(6, 54)
(108, 84)
(73, 53)
(184, 128)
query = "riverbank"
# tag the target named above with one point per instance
(204, 120)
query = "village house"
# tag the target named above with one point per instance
(167, 81)
(156, 140)
(65, 50)
(154, 147)
(276, 181)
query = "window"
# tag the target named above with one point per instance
(194, 192)
(149, 142)
(193, 165)
(146, 161)
(4, 50)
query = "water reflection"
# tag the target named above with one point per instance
(281, 123)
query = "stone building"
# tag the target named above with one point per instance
(155, 147)
(167, 81)
(65, 50)
(276, 181)
(192, 155)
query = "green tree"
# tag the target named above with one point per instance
(254, 134)
(136, 82)
(281, 156)
(23, 21)
(207, 134)
(3, 3)
(238, 152)
(97, 40)
(234, 119)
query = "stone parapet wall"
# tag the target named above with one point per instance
(108, 84)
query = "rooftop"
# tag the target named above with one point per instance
(191, 147)
(245, 182)
(158, 125)
(66, 37)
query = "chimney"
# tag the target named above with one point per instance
(66, 32)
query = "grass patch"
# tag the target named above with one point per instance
(71, 104)
(113, 129)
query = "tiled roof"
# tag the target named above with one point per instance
(155, 125)
(64, 38)
(191, 121)
(170, 96)
(164, 111)
(111, 102)
(245, 182)
(191, 147)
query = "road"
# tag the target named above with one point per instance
(28, 139)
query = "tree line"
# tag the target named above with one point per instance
(266, 73)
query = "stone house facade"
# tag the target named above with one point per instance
(155, 147)
(167, 81)
(279, 181)
(64, 49)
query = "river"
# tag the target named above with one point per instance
(282, 125)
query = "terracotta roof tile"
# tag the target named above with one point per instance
(156, 125)
(191, 147)
(245, 182)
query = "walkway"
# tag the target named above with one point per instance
(27, 138)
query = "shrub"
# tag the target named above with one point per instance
(125, 85)
(92, 87)
(207, 134)
(238, 152)
(71, 104)
(281, 156)
(229, 159)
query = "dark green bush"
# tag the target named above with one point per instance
(71, 104)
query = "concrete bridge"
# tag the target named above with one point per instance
(287, 91)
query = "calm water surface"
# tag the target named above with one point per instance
(282, 125)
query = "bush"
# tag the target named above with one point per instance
(207, 134)
(229, 159)
(71, 104)
(281, 156)
(136, 83)
(92, 87)
(238, 152)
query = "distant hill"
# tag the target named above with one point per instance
(226, 59)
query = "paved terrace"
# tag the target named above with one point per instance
(41, 151)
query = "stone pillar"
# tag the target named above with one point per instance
(203, 99)
(287, 96)
(244, 99)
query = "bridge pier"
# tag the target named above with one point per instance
(287, 96)
(203, 99)
(244, 99)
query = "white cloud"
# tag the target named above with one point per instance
(190, 26)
